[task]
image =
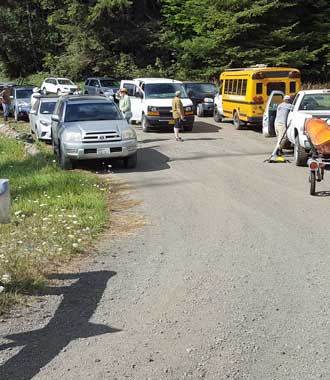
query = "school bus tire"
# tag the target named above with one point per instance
(238, 124)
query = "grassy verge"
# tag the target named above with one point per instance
(56, 215)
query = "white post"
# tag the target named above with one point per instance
(5, 210)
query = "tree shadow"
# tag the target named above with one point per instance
(70, 322)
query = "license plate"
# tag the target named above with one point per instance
(171, 122)
(103, 151)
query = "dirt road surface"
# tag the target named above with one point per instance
(228, 279)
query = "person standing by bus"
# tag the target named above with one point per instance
(5, 101)
(178, 114)
(282, 112)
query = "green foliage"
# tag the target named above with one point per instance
(181, 38)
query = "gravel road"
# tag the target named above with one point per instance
(228, 279)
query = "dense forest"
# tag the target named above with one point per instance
(186, 39)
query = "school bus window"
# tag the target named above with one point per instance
(275, 86)
(226, 86)
(230, 88)
(259, 88)
(234, 86)
(293, 87)
(244, 87)
(239, 87)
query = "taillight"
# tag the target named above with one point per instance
(294, 74)
(313, 165)
(258, 99)
(321, 165)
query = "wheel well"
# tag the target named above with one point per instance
(295, 133)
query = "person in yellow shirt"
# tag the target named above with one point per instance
(178, 114)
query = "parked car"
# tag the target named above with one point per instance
(40, 117)
(306, 104)
(151, 102)
(21, 101)
(90, 128)
(58, 86)
(202, 95)
(101, 85)
(218, 109)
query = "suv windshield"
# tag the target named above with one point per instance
(23, 94)
(204, 88)
(92, 112)
(47, 108)
(163, 90)
(315, 102)
(65, 81)
(109, 83)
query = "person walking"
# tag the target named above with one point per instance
(282, 112)
(5, 101)
(178, 114)
(125, 104)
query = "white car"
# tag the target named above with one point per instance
(218, 109)
(58, 86)
(40, 117)
(151, 102)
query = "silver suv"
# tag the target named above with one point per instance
(91, 127)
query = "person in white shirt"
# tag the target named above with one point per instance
(282, 112)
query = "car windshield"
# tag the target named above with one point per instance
(92, 112)
(47, 108)
(23, 94)
(315, 102)
(109, 83)
(203, 88)
(65, 81)
(164, 90)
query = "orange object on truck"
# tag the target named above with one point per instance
(318, 132)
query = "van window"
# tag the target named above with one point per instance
(130, 88)
(259, 88)
(275, 86)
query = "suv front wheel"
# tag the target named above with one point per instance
(64, 161)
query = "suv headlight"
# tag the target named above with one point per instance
(71, 136)
(128, 134)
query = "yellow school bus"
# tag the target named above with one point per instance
(245, 91)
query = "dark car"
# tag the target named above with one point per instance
(101, 86)
(202, 95)
(21, 101)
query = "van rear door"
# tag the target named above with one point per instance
(136, 96)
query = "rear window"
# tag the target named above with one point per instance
(275, 86)
(23, 94)
(47, 108)
(92, 112)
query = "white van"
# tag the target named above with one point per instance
(151, 102)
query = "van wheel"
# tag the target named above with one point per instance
(300, 154)
(237, 122)
(145, 124)
(200, 111)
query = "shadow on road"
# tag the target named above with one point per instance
(322, 194)
(70, 322)
(203, 127)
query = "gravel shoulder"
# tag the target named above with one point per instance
(224, 277)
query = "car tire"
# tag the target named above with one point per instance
(16, 114)
(199, 110)
(44, 91)
(130, 162)
(145, 124)
(216, 116)
(312, 180)
(54, 147)
(300, 154)
(236, 121)
(65, 162)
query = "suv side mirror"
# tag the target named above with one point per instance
(55, 118)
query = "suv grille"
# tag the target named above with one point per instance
(101, 137)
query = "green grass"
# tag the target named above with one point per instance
(55, 215)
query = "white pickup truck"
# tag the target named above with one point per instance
(306, 104)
